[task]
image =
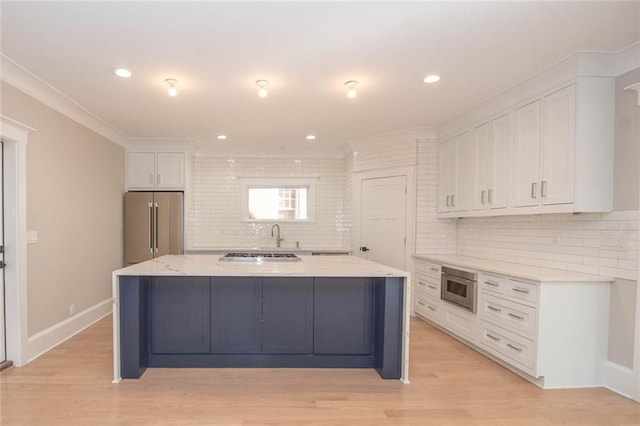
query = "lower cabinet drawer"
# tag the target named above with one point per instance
(428, 308)
(458, 321)
(428, 285)
(509, 347)
(512, 316)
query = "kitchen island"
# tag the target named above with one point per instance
(319, 312)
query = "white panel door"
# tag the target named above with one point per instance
(447, 174)
(526, 155)
(559, 147)
(383, 220)
(3, 347)
(170, 170)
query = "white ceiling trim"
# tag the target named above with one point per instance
(412, 133)
(628, 59)
(25, 81)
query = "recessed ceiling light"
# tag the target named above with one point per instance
(124, 73)
(311, 137)
(222, 137)
(351, 88)
(171, 82)
(262, 84)
(432, 78)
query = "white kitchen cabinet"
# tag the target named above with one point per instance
(155, 170)
(447, 185)
(544, 145)
(455, 183)
(551, 153)
(554, 333)
(489, 166)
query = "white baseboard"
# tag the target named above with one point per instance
(619, 379)
(47, 339)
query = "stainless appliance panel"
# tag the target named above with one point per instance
(459, 287)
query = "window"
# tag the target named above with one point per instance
(277, 199)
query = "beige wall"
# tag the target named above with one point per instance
(75, 182)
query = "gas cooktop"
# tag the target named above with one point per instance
(259, 257)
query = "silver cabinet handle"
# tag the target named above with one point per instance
(491, 283)
(431, 308)
(435, 269)
(543, 188)
(421, 303)
(515, 348)
(158, 178)
(534, 191)
(432, 287)
(422, 283)
(493, 308)
(150, 228)
(448, 197)
(521, 290)
(515, 316)
(453, 200)
(490, 194)
(491, 336)
(150, 178)
(482, 193)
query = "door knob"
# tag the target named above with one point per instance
(364, 248)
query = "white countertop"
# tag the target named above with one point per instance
(205, 250)
(309, 266)
(517, 270)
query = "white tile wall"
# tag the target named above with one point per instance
(377, 153)
(213, 207)
(597, 243)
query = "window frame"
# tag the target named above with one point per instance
(278, 182)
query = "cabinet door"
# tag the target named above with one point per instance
(236, 310)
(464, 165)
(342, 316)
(498, 166)
(447, 174)
(558, 147)
(179, 315)
(287, 314)
(170, 170)
(141, 170)
(526, 155)
(480, 153)
(168, 222)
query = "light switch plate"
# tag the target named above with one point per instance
(32, 237)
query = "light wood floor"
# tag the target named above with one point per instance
(450, 385)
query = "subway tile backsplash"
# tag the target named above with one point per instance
(596, 243)
(214, 210)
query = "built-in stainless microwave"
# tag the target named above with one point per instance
(459, 288)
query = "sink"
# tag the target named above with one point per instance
(259, 257)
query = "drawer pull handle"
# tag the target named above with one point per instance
(434, 269)
(422, 283)
(421, 303)
(493, 308)
(433, 287)
(515, 348)
(516, 316)
(431, 308)
(521, 290)
(490, 336)
(491, 283)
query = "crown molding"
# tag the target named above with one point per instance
(25, 81)
(627, 59)
(405, 134)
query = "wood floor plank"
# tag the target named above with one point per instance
(450, 385)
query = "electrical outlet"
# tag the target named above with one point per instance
(72, 309)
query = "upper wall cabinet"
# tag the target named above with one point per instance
(552, 153)
(155, 171)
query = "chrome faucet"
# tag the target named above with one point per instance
(278, 239)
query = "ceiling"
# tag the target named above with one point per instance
(307, 50)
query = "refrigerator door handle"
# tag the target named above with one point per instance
(150, 227)
(155, 221)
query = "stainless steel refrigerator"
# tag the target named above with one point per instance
(153, 225)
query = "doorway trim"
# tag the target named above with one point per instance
(410, 208)
(15, 135)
